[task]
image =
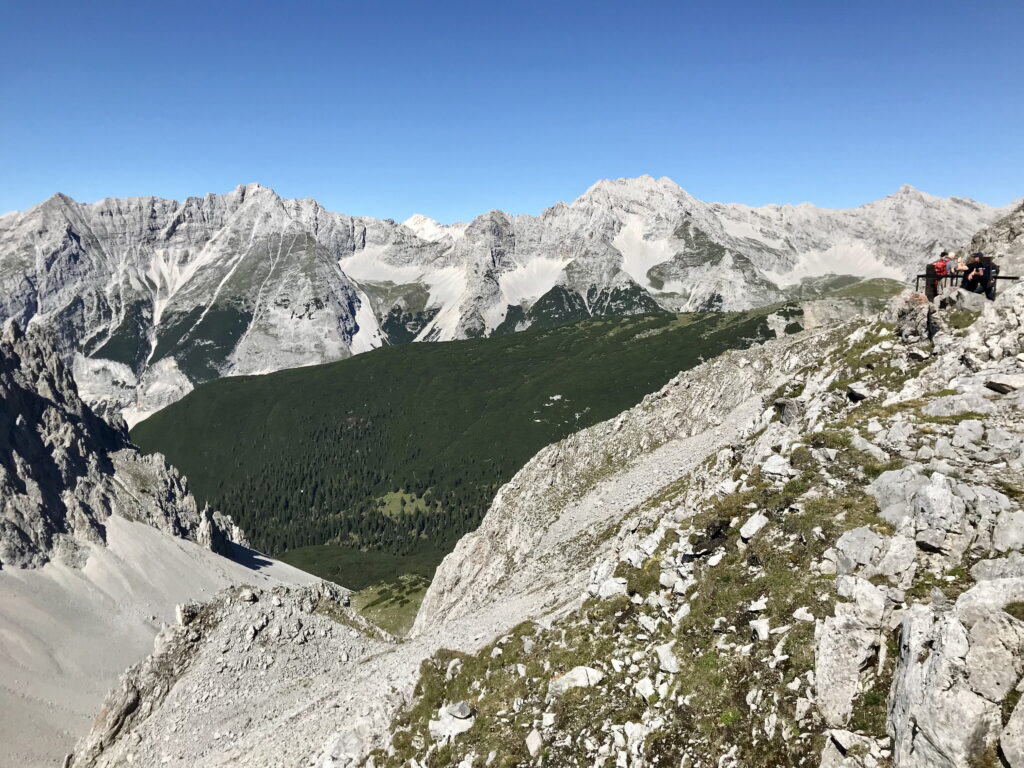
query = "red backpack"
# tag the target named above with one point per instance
(940, 267)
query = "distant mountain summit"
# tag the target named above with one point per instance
(150, 296)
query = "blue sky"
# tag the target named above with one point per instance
(453, 108)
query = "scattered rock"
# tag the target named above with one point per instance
(534, 742)
(667, 660)
(645, 688)
(577, 677)
(1005, 383)
(761, 629)
(753, 526)
(954, 405)
(451, 721)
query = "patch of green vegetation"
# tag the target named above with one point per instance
(669, 492)
(881, 288)
(870, 710)
(392, 605)
(839, 512)
(951, 584)
(873, 467)
(1013, 490)
(1010, 702)
(322, 454)
(866, 411)
(954, 419)
(791, 389)
(855, 356)
(401, 503)
(401, 327)
(505, 683)
(643, 580)
(621, 300)
(802, 460)
(830, 438)
(988, 757)
(959, 319)
(1015, 609)
(338, 613)
(729, 716)
(357, 569)
(201, 340)
(559, 306)
(129, 342)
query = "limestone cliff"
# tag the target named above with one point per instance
(64, 470)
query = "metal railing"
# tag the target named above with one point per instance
(950, 280)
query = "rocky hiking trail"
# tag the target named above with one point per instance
(834, 578)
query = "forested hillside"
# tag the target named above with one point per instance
(401, 449)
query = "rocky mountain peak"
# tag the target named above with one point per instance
(641, 189)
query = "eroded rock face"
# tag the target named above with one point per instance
(937, 719)
(64, 470)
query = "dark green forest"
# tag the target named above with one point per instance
(400, 450)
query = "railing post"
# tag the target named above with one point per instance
(931, 284)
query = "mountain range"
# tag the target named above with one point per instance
(809, 551)
(149, 296)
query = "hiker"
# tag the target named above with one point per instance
(978, 277)
(939, 270)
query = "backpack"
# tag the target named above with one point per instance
(940, 268)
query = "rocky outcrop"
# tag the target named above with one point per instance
(848, 567)
(280, 635)
(64, 471)
(97, 545)
(1004, 241)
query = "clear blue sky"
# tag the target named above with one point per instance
(453, 108)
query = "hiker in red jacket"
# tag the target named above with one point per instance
(941, 269)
